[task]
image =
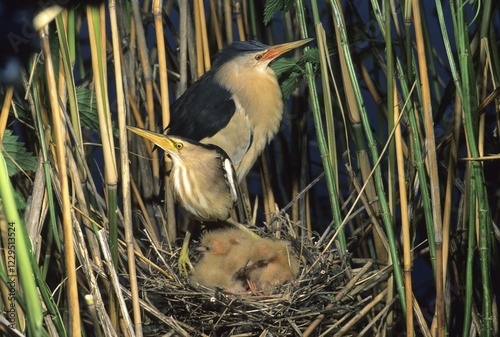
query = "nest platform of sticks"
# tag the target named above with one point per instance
(325, 299)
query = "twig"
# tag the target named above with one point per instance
(115, 282)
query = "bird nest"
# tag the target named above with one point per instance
(314, 303)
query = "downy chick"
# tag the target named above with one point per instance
(271, 263)
(226, 252)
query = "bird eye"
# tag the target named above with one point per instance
(179, 146)
(258, 57)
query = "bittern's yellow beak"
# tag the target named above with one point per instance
(275, 51)
(166, 143)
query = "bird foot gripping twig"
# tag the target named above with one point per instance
(184, 264)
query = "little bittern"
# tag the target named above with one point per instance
(203, 181)
(237, 105)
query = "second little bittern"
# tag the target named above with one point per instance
(203, 182)
(237, 105)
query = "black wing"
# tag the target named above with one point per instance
(205, 108)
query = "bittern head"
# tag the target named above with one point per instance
(180, 149)
(253, 54)
(203, 177)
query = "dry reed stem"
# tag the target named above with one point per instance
(239, 20)
(432, 165)
(267, 188)
(148, 83)
(405, 221)
(450, 182)
(83, 207)
(216, 25)
(362, 313)
(4, 115)
(115, 282)
(327, 100)
(97, 38)
(424, 329)
(379, 316)
(198, 40)
(148, 224)
(36, 210)
(204, 36)
(228, 21)
(338, 297)
(125, 168)
(89, 299)
(183, 46)
(59, 133)
(162, 63)
(87, 267)
(371, 213)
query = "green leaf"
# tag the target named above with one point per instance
(310, 55)
(291, 72)
(273, 6)
(88, 108)
(16, 156)
(283, 65)
(20, 202)
(291, 83)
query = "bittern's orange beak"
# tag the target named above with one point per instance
(275, 51)
(166, 143)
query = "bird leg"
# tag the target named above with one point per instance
(242, 209)
(238, 225)
(183, 263)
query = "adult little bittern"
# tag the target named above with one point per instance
(237, 105)
(203, 181)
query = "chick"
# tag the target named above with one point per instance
(271, 263)
(220, 241)
(226, 252)
(213, 272)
